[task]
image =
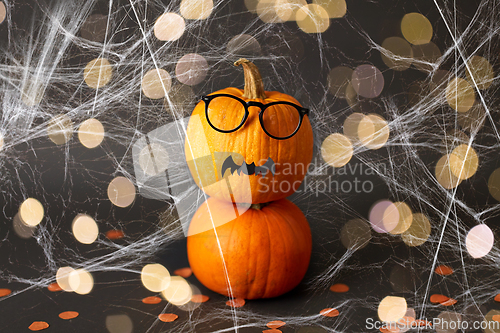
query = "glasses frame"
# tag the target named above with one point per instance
(302, 112)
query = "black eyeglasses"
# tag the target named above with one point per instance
(271, 116)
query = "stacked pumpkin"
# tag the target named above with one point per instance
(247, 240)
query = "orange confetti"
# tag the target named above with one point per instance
(497, 298)
(184, 272)
(54, 287)
(448, 302)
(115, 234)
(272, 330)
(339, 288)
(444, 270)
(329, 312)
(199, 298)
(496, 317)
(151, 300)
(423, 323)
(275, 324)
(5, 292)
(389, 329)
(68, 315)
(38, 326)
(236, 302)
(168, 317)
(437, 298)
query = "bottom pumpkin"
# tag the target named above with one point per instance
(261, 253)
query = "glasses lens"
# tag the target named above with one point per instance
(225, 113)
(281, 120)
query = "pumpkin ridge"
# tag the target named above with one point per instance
(250, 285)
(268, 264)
(228, 244)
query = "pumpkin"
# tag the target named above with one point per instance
(261, 253)
(207, 149)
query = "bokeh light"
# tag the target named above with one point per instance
(419, 231)
(312, 18)
(367, 81)
(31, 212)
(196, 9)
(119, 323)
(373, 131)
(169, 27)
(355, 234)
(191, 69)
(479, 241)
(243, 45)
(482, 72)
(22, 229)
(494, 184)
(334, 8)
(121, 192)
(286, 10)
(62, 278)
(444, 175)
(460, 95)
(449, 322)
(336, 150)
(156, 83)
(405, 218)
(472, 120)
(402, 53)
(392, 308)
(464, 161)
(91, 133)
(60, 129)
(178, 292)
(98, 73)
(153, 159)
(338, 79)
(155, 277)
(384, 216)
(266, 9)
(351, 126)
(416, 28)
(85, 229)
(3, 12)
(81, 281)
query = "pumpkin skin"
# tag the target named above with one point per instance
(266, 252)
(205, 148)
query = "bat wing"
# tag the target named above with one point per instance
(229, 164)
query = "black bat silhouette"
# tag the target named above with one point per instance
(248, 169)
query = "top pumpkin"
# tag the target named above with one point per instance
(251, 145)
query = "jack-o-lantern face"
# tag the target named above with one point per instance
(249, 146)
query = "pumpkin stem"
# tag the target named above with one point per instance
(254, 87)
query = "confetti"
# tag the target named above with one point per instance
(496, 317)
(199, 298)
(329, 312)
(151, 300)
(236, 302)
(275, 324)
(444, 270)
(114, 234)
(184, 272)
(68, 315)
(5, 292)
(167, 317)
(38, 326)
(339, 288)
(497, 298)
(54, 287)
(272, 330)
(389, 329)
